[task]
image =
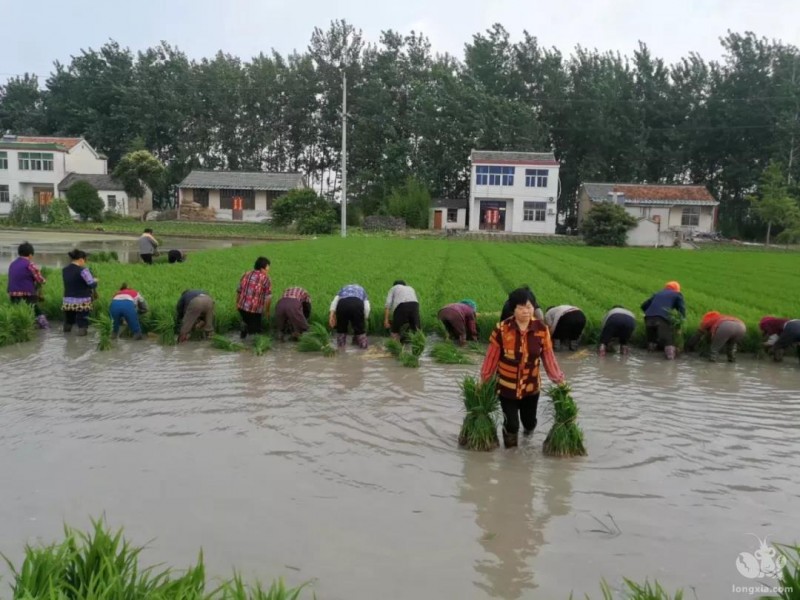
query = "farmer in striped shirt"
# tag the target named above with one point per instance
(292, 313)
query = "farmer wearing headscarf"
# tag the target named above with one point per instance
(780, 334)
(724, 331)
(658, 310)
(460, 320)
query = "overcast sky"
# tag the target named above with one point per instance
(37, 32)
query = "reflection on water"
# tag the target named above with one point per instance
(52, 247)
(347, 471)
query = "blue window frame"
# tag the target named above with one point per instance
(485, 175)
(536, 177)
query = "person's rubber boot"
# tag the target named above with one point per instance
(67, 327)
(114, 335)
(601, 351)
(41, 322)
(670, 352)
(556, 345)
(341, 340)
(652, 347)
(573, 345)
(713, 356)
(777, 354)
(732, 353)
(527, 432)
(137, 336)
(510, 440)
(362, 341)
(624, 350)
(82, 331)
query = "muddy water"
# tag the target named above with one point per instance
(345, 470)
(52, 247)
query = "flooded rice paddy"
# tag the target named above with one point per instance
(346, 471)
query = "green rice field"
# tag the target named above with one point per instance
(745, 284)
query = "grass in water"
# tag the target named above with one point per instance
(479, 430)
(393, 347)
(565, 437)
(261, 345)
(220, 342)
(446, 353)
(104, 326)
(165, 327)
(417, 339)
(409, 359)
(316, 339)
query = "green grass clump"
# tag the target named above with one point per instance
(102, 564)
(316, 339)
(104, 326)
(479, 430)
(637, 591)
(220, 342)
(165, 328)
(409, 359)
(261, 345)
(565, 438)
(417, 340)
(393, 347)
(102, 256)
(446, 353)
(17, 323)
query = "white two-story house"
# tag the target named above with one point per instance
(31, 168)
(513, 191)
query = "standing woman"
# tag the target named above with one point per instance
(79, 290)
(254, 297)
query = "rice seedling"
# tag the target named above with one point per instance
(17, 323)
(446, 353)
(104, 326)
(103, 256)
(220, 342)
(393, 347)
(565, 438)
(316, 339)
(479, 429)
(236, 589)
(409, 359)
(261, 345)
(417, 340)
(637, 591)
(165, 327)
(789, 577)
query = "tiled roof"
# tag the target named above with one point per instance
(512, 157)
(635, 193)
(67, 142)
(99, 182)
(449, 203)
(242, 180)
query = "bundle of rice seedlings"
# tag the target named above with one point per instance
(479, 430)
(408, 359)
(220, 342)
(447, 354)
(17, 323)
(165, 327)
(316, 339)
(393, 347)
(565, 437)
(417, 339)
(261, 344)
(104, 327)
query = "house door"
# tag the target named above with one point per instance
(43, 197)
(237, 208)
(493, 215)
(437, 219)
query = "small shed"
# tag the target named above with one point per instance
(449, 213)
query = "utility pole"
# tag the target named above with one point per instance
(344, 153)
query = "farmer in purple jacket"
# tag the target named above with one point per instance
(459, 320)
(25, 282)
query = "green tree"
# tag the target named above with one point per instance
(773, 204)
(21, 105)
(83, 198)
(138, 169)
(411, 202)
(607, 224)
(305, 209)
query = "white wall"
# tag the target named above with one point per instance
(516, 196)
(82, 159)
(461, 218)
(646, 233)
(706, 223)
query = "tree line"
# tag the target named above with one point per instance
(413, 113)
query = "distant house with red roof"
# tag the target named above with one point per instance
(665, 213)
